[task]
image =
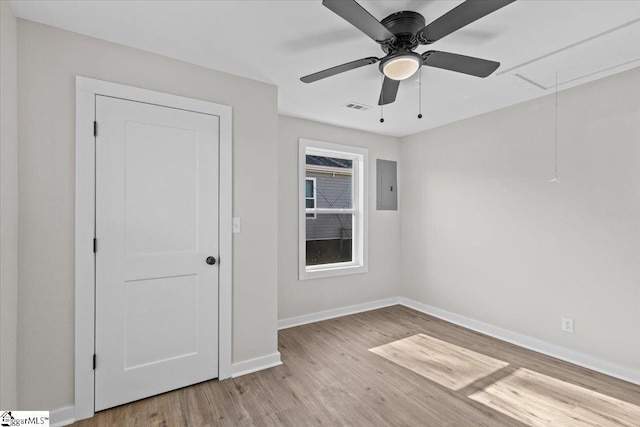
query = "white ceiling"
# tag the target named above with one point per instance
(279, 41)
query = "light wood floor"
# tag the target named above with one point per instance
(330, 377)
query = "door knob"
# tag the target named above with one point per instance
(211, 260)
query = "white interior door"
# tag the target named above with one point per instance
(156, 225)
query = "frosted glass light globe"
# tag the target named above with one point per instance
(401, 68)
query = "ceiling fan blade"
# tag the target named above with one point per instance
(458, 17)
(460, 63)
(338, 69)
(389, 91)
(357, 16)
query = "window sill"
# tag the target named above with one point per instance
(332, 270)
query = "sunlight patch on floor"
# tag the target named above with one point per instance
(447, 364)
(540, 400)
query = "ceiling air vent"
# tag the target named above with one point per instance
(357, 107)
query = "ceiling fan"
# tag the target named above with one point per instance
(400, 33)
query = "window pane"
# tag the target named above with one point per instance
(334, 181)
(309, 188)
(329, 239)
(310, 204)
(329, 161)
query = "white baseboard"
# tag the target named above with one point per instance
(62, 417)
(336, 312)
(553, 350)
(253, 365)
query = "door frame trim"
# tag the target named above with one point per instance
(86, 91)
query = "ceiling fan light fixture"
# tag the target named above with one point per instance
(401, 67)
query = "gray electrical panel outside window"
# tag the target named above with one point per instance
(387, 185)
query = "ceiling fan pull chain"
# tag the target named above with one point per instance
(382, 106)
(420, 94)
(555, 154)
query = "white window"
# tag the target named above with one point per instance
(333, 209)
(310, 196)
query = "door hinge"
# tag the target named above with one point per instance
(95, 128)
(95, 245)
(94, 361)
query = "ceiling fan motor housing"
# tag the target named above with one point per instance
(404, 25)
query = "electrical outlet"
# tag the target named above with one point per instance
(567, 325)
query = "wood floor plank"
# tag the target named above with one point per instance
(447, 364)
(541, 400)
(330, 378)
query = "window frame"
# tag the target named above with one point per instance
(359, 210)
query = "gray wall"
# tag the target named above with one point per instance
(48, 62)
(295, 297)
(487, 236)
(8, 206)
